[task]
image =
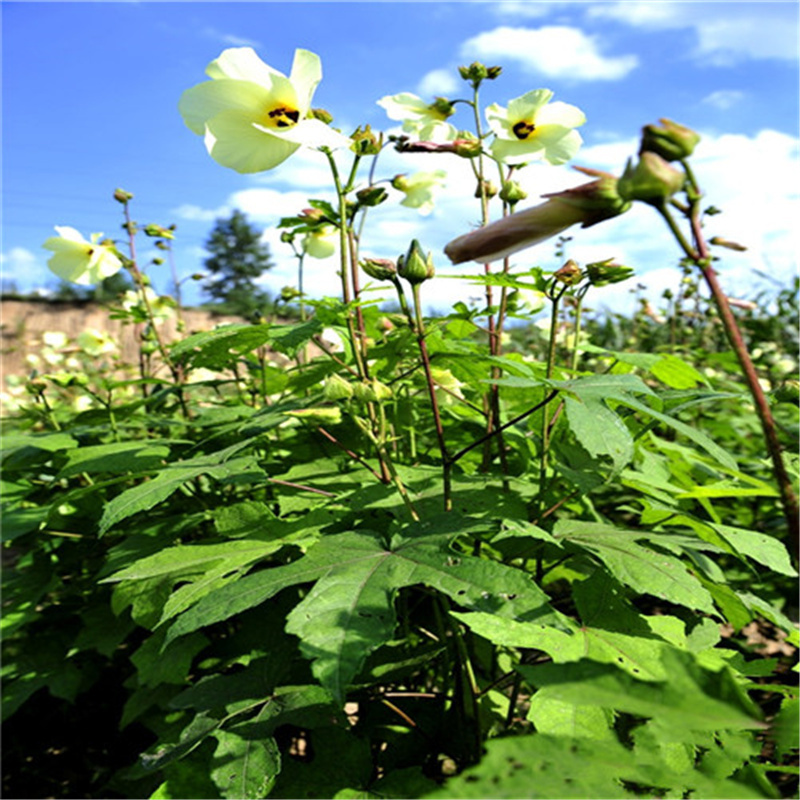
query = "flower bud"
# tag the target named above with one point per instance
(474, 72)
(652, 180)
(337, 388)
(371, 196)
(289, 293)
(671, 141)
(512, 193)
(720, 242)
(466, 145)
(570, 274)
(485, 187)
(603, 273)
(588, 204)
(159, 231)
(322, 115)
(381, 269)
(317, 416)
(121, 196)
(493, 73)
(415, 266)
(287, 237)
(443, 107)
(365, 142)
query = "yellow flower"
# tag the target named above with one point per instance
(534, 128)
(253, 117)
(321, 243)
(95, 343)
(77, 260)
(426, 121)
(418, 189)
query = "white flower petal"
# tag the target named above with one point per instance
(233, 140)
(528, 106)
(66, 232)
(204, 101)
(311, 133)
(305, 77)
(559, 113)
(564, 149)
(241, 64)
(404, 106)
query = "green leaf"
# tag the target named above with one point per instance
(557, 718)
(542, 766)
(220, 347)
(691, 698)
(644, 570)
(116, 457)
(785, 732)
(173, 476)
(350, 610)
(244, 768)
(761, 547)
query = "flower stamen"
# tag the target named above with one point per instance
(283, 117)
(523, 129)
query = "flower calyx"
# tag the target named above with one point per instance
(415, 266)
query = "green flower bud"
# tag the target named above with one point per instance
(337, 388)
(652, 180)
(485, 187)
(289, 293)
(365, 142)
(512, 193)
(161, 245)
(569, 274)
(671, 141)
(720, 242)
(467, 145)
(287, 237)
(322, 115)
(371, 196)
(157, 261)
(317, 416)
(474, 72)
(415, 266)
(493, 73)
(381, 269)
(443, 107)
(158, 231)
(121, 196)
(603, 273)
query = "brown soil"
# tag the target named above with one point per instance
(22, 324)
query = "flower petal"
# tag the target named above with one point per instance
(66, 232)
(233, 140)
(529, 105)
(561, 149)
(305, 77)
(241, 64)
(559, 113)
(311, 133)
(403, 106)
(204, 101)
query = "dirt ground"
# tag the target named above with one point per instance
(22, 324)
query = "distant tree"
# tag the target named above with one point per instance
(238, 257)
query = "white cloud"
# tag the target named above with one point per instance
(724, 99)
(554, 51)
(522, 8)
(24, 266)
(726, 32)
(438, 82)
(229, 38)
(193, 213)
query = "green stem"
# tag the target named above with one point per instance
(419, 327)
(702, 258)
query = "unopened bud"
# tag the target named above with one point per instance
(158, 231)
(671, 141)
(569, 274)
(512, 193)
(466, 145)
(317, 416)
(415, 266)
(720, 242)
(322, 115)
(157, 261)
(603, 273)
(485, 189)
(337, 388)
(289, 293)
(365, 142)
(287, 237)
(381, 269)
(161, 245)
(443, 107)
(371, 196)
(652, 180)
(121, 196)
(492, 73)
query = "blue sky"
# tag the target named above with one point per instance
(90, 93)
